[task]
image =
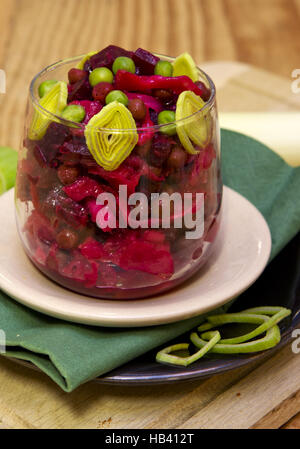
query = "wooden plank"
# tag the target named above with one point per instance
(253, 397)
(187, 406)
(294, 423)
(281, 414)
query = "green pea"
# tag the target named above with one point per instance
(45, 86)
(123, 63)
(116, 95)
(163, 68)
(74, 113)
(165, 117)
(100, 75)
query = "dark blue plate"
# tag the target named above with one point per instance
(278, 285)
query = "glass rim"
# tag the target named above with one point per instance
(56, 118)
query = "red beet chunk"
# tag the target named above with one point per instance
(144, 61)
(94, 208)
(57, 204)
(39, 227)
(82, 188)
(47, 149)
(55, 135)
(161, 148)
(81, 90)
(106, 57)
(81, 270)
(91, 249)
(148, 257)
(56, 259)
(128, 173)
(76, 146)
(130, 252)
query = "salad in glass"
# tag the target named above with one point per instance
(119, 188)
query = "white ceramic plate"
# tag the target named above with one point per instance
(242, 252)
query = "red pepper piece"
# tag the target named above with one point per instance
(131, 82)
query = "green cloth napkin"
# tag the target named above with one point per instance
(72, 354)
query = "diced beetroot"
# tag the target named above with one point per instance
(129, 173)
(72, 212)
(131, 252)
(39, 227)
(56, 134)
(82, 188)
(51, 260)
(107, 274)
(93, 209)
(30, 166)
(144, 256)
(46, 150)
(154, 236)
(208, 156)
(153, 116)
(40, 255)
(125, 174)
(144, 61)
(160, 150)
(76, 146)
(91, 276)
(170, 104)
(57, 204)
(91, 249)
(146, 134)
(81, 90)
(56, 259)
(91, 108)
(112, 248)
(34, 194)
(148, 172)
(81, 270)
(106, 57)
(45, 235)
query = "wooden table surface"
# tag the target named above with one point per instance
(264, 33)
(34, 33)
